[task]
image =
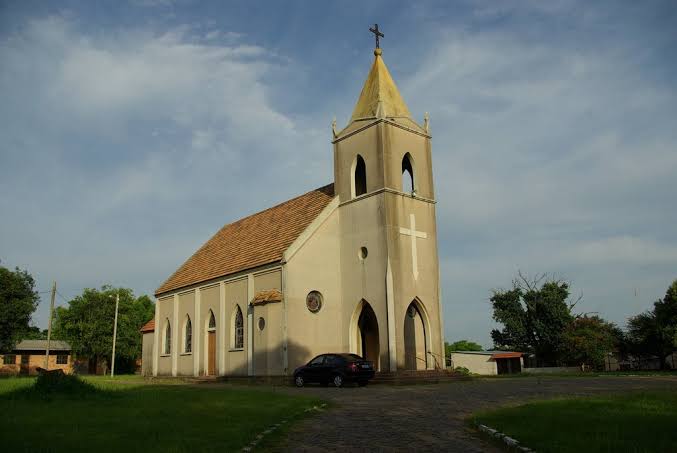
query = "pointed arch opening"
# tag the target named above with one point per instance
(167, 338)
(210, 344)
(417, 354)
(408, 180)
(212, 321)
(358, 181)
(237, 321)
(364, 333)
(187, 335)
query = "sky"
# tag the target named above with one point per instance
(130, 132)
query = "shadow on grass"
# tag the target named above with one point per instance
(71, 414)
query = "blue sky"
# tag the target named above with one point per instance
(131, 132)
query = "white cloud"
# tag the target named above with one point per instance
(115, 144)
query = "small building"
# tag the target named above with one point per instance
(147, 332)
(488, 362)
(29, 355)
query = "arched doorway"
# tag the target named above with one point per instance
(364, 327)
(415, 341)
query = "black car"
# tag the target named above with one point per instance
(335, 369)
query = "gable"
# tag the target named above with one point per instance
(259, 239)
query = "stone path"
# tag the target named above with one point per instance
(430, 417)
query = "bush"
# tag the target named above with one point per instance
(462, 370)
(50, 383)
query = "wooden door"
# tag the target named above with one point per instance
(211, 353)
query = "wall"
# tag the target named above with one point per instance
(36, 359)
(476, 363)
(235, 296)
(221, 297)
(147, 353)
(268, 354)
(315, 267)
(186, 308)
(166, 310)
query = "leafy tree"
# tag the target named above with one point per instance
(461, 345)
(589, 339)
(87, 324)
(654, 332)
(535, 314)
(18, 301)
(34, 333)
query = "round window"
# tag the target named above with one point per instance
(363, 252)
(262, 323)
(314, 301)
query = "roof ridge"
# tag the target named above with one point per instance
(319, 189)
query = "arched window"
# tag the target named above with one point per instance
(238, 329)
(188, 336)
(168, 337)
(408, 174)
(212, 321)
(359, 182)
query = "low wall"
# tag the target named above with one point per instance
(552, 369)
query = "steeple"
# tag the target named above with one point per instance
(380, 97)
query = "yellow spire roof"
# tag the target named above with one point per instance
(379, 97)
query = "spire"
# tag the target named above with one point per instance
(379, 97)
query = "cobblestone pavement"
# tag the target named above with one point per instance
(430, 417)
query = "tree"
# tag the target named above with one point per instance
(589, 339)
(18, 301)
(654, 332)
(34, 333)
(534, 314)
(87, 324)
(462, 345)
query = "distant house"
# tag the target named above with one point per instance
(29, 355)
(147, 331)
(488, 362)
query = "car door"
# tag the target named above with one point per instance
(314, 369)
(329, 367)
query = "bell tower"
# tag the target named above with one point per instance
(389, 263)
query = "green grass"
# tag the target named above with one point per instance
(637, 422)
(109, 415)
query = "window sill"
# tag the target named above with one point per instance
(165, 355)
(236, 349)
(186, 353)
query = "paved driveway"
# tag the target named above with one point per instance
(430, 417)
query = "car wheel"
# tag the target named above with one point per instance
(298, 380)
(337, 381)
(363, 383)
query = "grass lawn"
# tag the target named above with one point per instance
(131, 415)
(637, 422)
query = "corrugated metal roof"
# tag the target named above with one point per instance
(36, 345)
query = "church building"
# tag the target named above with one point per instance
(349, 267)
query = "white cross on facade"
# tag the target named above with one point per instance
(411, 232)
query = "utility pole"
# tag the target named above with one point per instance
(115, 333)
(49, 324)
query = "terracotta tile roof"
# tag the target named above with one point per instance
(256, 240)
(264, 297)
(148, 327)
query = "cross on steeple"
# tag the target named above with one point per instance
(376, 34)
